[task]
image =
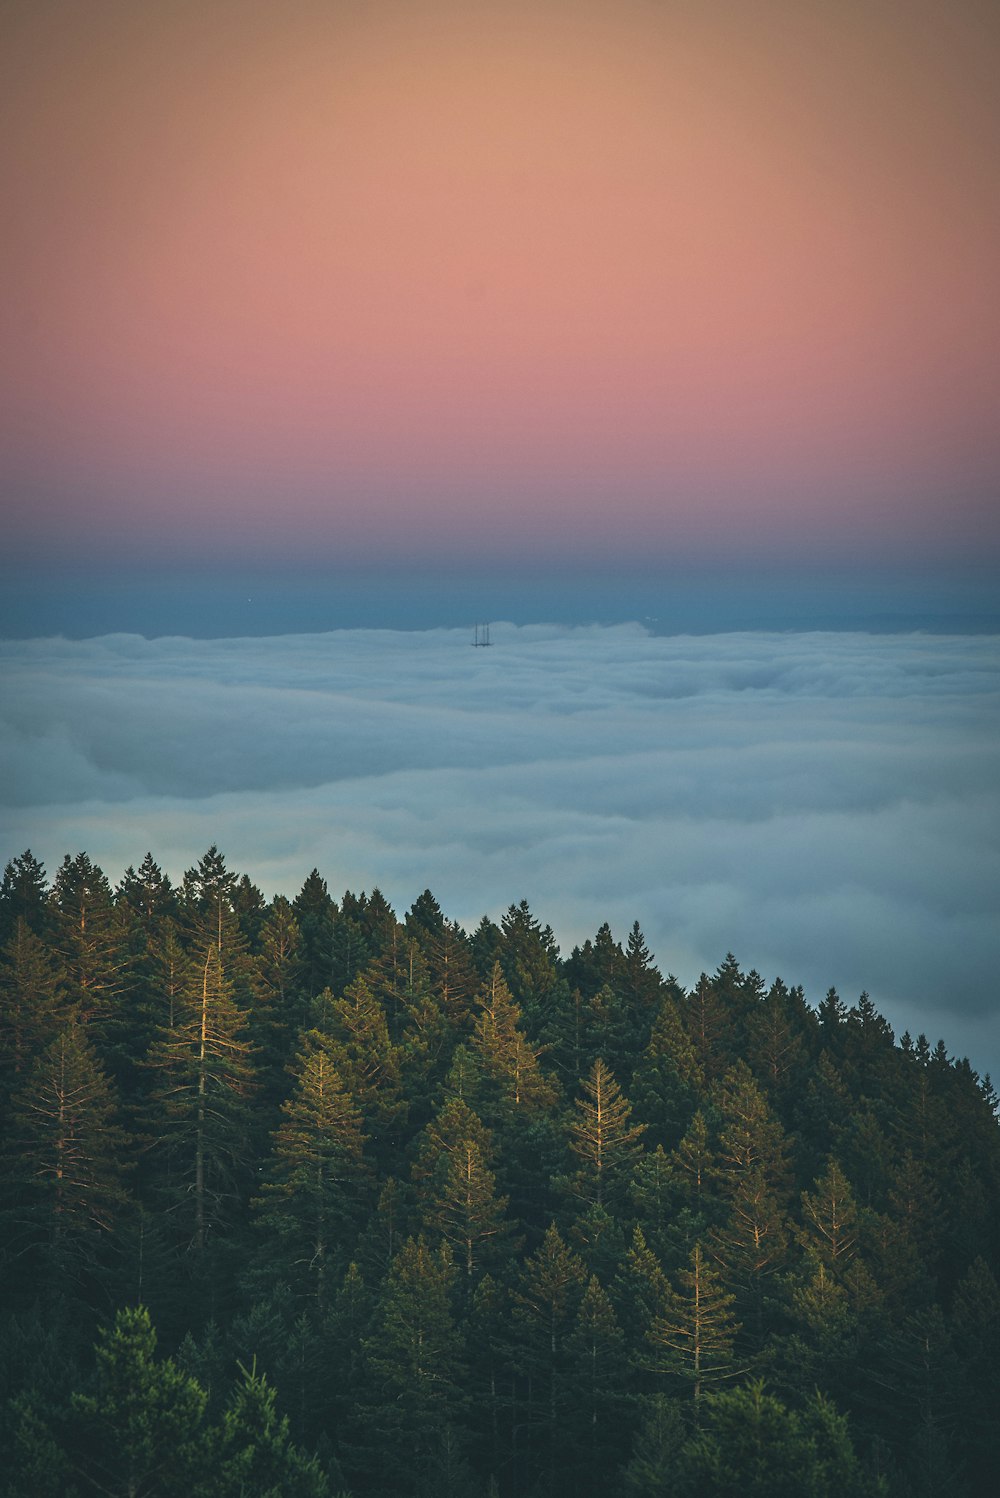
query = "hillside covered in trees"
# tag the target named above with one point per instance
(305, 1197)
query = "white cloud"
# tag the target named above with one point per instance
(825, 805)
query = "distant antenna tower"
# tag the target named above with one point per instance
(481, 635)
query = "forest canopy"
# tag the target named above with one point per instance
(304, 1196)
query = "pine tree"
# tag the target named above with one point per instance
(157, 980)
(198, 1113)
(751, 1247)
(639, 976)
(830, 1221)
(277, 1012)
(642, 1289)
(868, 1156)
(486, 1339)
(708, 1023)
(351, 946)
(546, 1304)
(751, 1445)
(146, 905)
(599, 1239)
(389, 975)
(345, 1328)
(452, 973)
(415, 1368)
(750, 1138)
(88, 935)
(24, 896)
(868, 1048)
(424, 919)
(143, 1432)
(507, 1060)
(598, 1405)
(485, 946)
(388, 1228)
(33, 1004)
(653, 1193)
(250, 909)
(529, 958)
(210, 922)
(694, 1165)
(975, 1336)
(776, 1043)
(457, 1196)
(256, 1453)
(668, 1080)
(313, 910)
(146, 892)
(831, 1294)
(692, 1337)
(832, 1016)
(915, 1203)
(609, 1030)
(603, 1140)
(655, 1466)
(427, 1036)
(751, 1165)
(921, 1390)
(63, 1163)
(316, 1181)
(370, 1063)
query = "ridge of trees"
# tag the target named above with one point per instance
(298, 1196)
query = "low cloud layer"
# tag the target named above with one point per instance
(826, 806)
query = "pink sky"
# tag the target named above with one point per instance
(328, 280)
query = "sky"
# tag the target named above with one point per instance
(825, 806)
(343, 286)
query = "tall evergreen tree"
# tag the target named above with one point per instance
(694, 1164)
(256, 1454)
(24, 894)
(598, 1407)
(33, 1003)
(63, 1162)
(88, 935)
(453, 976)
(314, 910)
(777, 1044)
(668, 1078)
(425, 918)
(975, 1336)
(529, 958)
(198, 1113)
(709, 1024)
(751, 1244)
(751, 1445)
(143, 1432)
(415, 1370)
(317, 1178)
(277, 1013)
(603, 1139)
(639, 975)
(147, 907)
(457, 1195)
(507, 1060)
(692, 1338)
(146, 892)
(211, 922)
(546, 1305)
(370, 1063)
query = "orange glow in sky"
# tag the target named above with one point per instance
(355, 276)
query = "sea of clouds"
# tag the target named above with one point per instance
(826, 806)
